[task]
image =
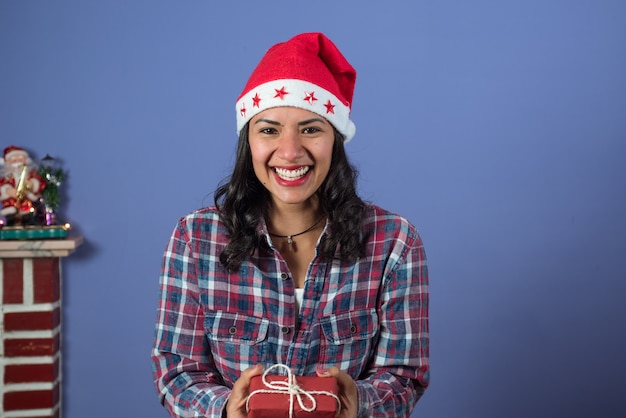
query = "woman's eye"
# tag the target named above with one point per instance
(267, 131)
(310, 130)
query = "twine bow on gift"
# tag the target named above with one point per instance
(291, 388)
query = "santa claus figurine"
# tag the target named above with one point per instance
(20, 186)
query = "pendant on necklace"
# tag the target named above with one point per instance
(290, 237)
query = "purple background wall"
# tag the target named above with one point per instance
(498, 127)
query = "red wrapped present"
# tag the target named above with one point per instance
(275, 396)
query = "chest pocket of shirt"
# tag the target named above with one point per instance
(236, 339)
(349, 337)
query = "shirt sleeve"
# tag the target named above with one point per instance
(183, 369)
(399, 371)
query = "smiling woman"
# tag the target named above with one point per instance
(290, 267)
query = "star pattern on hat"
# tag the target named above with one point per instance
(243, 110)
(309, 97)
(330, 108)
(280, 93)
(256, 100)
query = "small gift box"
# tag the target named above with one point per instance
(275, 396)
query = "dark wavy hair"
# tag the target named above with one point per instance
(241, 200)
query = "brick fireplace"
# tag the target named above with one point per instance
(30, 326)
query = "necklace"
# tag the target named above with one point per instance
(290, 237)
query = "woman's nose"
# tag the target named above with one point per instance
(290, 146)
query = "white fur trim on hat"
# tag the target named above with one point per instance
(295, 93)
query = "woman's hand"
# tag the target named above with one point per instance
(348, 394)
(236, 405)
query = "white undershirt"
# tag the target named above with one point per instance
(299, 296)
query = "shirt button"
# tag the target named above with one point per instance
(284, 276)
(352, 329)
(285, 330)
(232, 330)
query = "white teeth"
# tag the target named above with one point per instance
(291, 174)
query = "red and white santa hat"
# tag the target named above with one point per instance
(309, 72)
(11, 149)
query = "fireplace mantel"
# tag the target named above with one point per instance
(39, 248)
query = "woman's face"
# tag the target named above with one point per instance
(291, 152)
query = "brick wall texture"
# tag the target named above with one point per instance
(30, 331)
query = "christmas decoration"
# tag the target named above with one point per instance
(30, 196)
(51, 195)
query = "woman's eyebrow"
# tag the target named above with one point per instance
(271, 122)
(306, 122)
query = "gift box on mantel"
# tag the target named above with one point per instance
(277, 396)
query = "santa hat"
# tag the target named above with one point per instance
(12, 148)
(308, 72)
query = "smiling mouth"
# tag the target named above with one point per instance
(291, 174)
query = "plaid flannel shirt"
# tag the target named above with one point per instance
(369, 318)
